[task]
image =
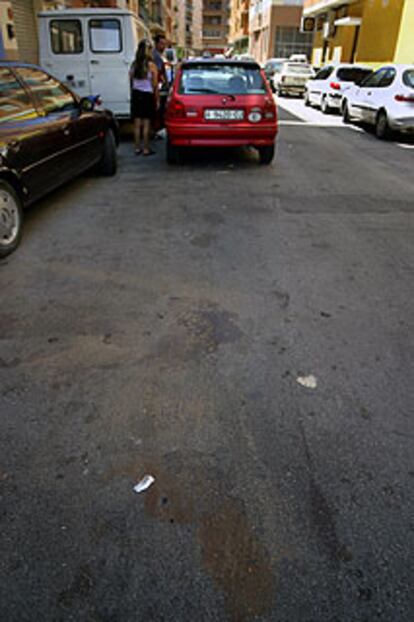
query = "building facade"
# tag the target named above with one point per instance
(215, 25)
(188, 27)
(366, 31)
(274, 29)
(18, 23)
(239, 26)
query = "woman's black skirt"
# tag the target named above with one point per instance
(142, 105)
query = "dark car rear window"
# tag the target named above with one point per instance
(221, 79)
(353, 74)
(408, 78)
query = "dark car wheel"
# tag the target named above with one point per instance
(173, 153)
(325, 106)
(108, 164)
(346, 117)
(266, 154)
(382, 128)
(11, 219)
(306, 98)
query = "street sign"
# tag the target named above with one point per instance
(307, 24)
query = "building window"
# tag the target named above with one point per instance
(66, 36)
(212, 6)
(212, 33)
(212, 20)
(289, 40)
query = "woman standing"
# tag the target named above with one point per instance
(145, 98)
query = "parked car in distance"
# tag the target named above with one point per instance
(330, 84)
(272, 66)
(292, 79)
(221, 103)
(385, 100)
(48, 135)
(299, 58)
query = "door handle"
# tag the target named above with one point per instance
(369, 93)
(94, 62)
(66, 130)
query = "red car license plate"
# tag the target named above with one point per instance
(223, 115)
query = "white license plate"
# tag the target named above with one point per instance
(223, 115)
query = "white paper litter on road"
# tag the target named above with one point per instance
(144, 483)
(309, 382)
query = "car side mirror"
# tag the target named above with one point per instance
(88, 104)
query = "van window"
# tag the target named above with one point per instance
(15, 104)
(66, 36)
(105, 35)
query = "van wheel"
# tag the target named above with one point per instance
(266, 154)
(382, 129)
(11, 219)
(108, 163)
(173, 153)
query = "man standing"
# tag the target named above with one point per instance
(160, 43)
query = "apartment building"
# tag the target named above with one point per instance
(215, 25)
(365, 31)
(275, 29)
(239, 26)
(188, 27)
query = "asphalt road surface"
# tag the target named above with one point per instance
(157, 323)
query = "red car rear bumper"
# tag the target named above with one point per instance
(204, 135)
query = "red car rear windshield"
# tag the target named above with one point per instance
(221, 79)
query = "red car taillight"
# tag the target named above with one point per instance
(176, 109)
(404, 98)
(335, 86)
(269, 109)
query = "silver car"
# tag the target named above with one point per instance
(385, 99)
(293, 78)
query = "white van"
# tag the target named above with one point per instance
(91, 50)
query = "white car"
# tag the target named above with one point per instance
(385, 99)
(292, 78)
(327, 89)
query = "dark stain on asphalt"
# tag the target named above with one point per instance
(204, 240)
(214, 218)
(282, 298)
(209, 327)
(237, 562)
(324, 522)
(322, 514)
(80, 587)
(190, 492)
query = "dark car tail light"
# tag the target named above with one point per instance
(335, 86)
(176, 109)
(404, 98)
(269, 108)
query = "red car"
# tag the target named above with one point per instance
(221, 103)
